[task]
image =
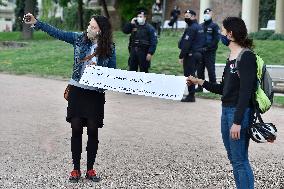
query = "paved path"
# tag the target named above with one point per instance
(146, 142)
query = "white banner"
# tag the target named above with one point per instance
(140, 83)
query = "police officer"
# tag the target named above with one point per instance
(212, 33)
(191, 45)
(142, 42)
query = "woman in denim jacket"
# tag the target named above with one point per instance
(237, 86)
(85, 104)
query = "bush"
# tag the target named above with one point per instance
(261, 35)
(266, 35)
(88, 13)
(55, 21)
(277, 36)
(71, 19)
(128, 8)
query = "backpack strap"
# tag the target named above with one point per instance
(238, 59)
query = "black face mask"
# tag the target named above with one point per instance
(188, 21)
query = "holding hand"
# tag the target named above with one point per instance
(29, 19)
(193, 81)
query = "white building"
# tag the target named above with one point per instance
(7, 15)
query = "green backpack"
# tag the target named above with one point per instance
(264, 89)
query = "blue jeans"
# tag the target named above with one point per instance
(237, 150)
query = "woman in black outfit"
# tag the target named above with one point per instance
(85, 104)
(237, 86)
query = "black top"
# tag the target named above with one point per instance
(139, 32)
(238, 84)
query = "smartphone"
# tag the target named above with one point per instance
(27, 18)
(135, 20)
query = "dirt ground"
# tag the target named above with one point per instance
(145, 143)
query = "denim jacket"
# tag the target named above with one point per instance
(81, 48)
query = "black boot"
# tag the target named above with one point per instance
(188, 98)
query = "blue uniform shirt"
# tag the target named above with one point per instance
(212, 34)
(192, 40)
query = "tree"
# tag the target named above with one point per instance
(266, 11)
(80, 4)
(27, 32)
(19, 14)
(128, 8)
(2, 3)
(103, 2)
(46, 6)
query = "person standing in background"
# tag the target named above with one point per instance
(142, 42)
(191, 45)
(157, 16)
(212, 37)
(175, 13)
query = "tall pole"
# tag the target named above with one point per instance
(279, 27)
(250, 13)
(204, 4)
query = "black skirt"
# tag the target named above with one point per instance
(86, 104)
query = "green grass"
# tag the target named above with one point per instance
(279, 100)
(43, 56)
(46, 57)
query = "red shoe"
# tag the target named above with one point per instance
(92, 175)
(75, 175)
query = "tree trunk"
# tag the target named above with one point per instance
(103, 3)
(27, 32)
(80, 14)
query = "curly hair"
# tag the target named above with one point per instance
(239, 31)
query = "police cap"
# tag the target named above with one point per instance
(190, 12)
(207, 10)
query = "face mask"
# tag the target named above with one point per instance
(225, 40)
(91, 34)
(207, 17)
(140, 21)
(188, 21)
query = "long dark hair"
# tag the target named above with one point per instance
(105, 40)
(239, 31)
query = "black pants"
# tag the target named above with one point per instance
(175, 25)
(208, 62)
(157, 27)
(77, 125)
(138, 59)
(190, 63)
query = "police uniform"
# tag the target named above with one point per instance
(212, 37)
(143, 41)
(191, 45)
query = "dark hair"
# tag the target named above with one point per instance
(239, 31)
(105, 40)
